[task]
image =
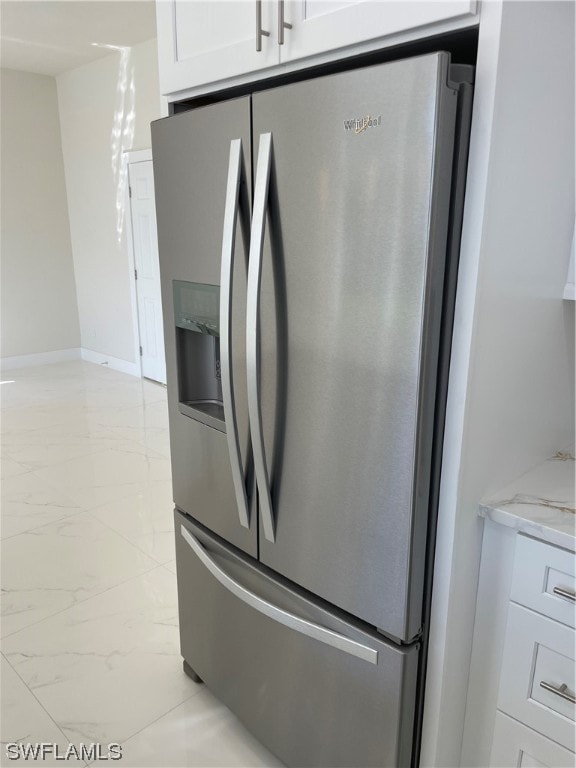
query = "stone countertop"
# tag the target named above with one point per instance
(541, 503)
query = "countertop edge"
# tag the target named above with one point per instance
(541, 503)
(528, 527)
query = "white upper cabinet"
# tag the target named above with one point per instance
(202, 42)
(326, 25)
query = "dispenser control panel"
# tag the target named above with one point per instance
(197, 307)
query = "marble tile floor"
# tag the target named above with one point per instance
(90, 648)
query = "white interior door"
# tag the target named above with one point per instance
(147, 266)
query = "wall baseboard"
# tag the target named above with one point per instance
(116, 363)
(40, 358)
(66, 355)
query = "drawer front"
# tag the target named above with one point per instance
(516, 745)
(310, 684)
(544, 580)
(537, 682)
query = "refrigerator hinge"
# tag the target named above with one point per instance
(129, 191)
(413, 640)
(140, 350)
(135, 274)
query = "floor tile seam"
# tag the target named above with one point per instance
(60, 463)
(41, 525)
(61, 401)
(123, 497)
(165, 566)
(51, 486)
(65, 738)
(6, 457)
(9, 409)
(81, 602)
(20, 429)
(146, 483)
(95, 509)
(153, 722)
(92, 411)
(68, 420)
(145, 448)
(16, 474)
(67, 492)
(140, 404)
(99, 451)
(9, 447)
(85, 512)
(28, 472)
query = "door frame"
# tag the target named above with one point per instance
(129, 157)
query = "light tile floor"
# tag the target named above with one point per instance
(90, 648)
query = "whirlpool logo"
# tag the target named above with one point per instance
(360, 124)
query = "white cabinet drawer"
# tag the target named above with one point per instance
(543, 579)
(516, 745)
(539, 651)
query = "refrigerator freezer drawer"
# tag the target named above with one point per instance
(314, 687)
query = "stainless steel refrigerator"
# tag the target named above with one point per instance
(308, 240)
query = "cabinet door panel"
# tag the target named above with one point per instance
(538, 674)
(544, 580)
(202, 42)
(319, 25)
(515, 744)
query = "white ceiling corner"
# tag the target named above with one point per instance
(49, 37)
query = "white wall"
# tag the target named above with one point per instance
(105, 109)
(511, 395)
(38, 294)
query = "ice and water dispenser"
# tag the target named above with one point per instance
(196, 316)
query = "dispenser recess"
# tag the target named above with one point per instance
(197, 326)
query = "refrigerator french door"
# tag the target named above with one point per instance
(303, 234)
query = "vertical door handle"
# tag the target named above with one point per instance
(259, 31)
(235, 191)
(253, 331)
(282, 25)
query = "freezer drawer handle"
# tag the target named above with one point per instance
(236, 198)
(253, 331)
(560, 690)
(315, 631)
